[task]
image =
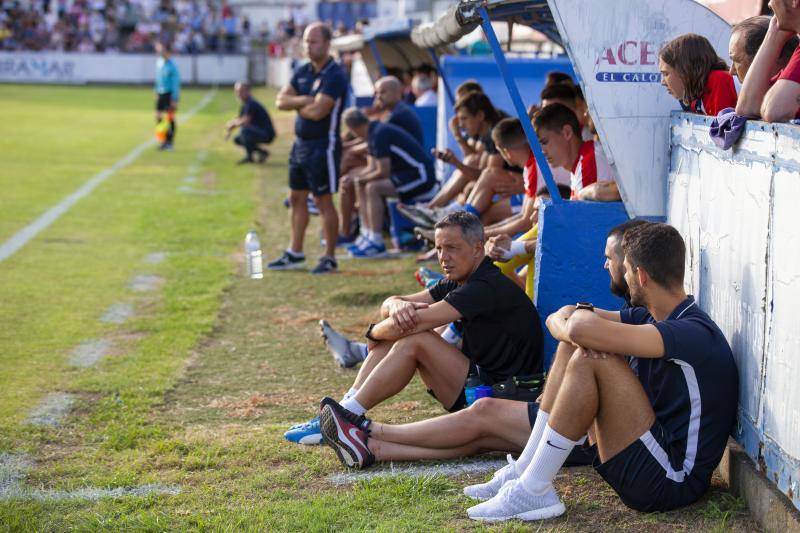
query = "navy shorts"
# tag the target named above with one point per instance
(314, 166)
(581, 455)
(164, 101)
(643, 483)
(413, 187)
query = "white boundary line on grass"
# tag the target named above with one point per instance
(26, 234)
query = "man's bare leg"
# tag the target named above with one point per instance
(455, 185)
(391, 451)
(374, 357)
(441, 366)
(330, 222)
(505, 420)
(486, 187)
(375, 192)
(347, 205)
(497, 212)
(298, 216)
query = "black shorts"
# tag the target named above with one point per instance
(460, 403)
(164, 101)
(643, 483)
(581, 455)
(425, 191)
(314, 166)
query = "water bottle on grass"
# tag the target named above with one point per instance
(252, 256)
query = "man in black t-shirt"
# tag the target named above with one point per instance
(255, 126)
(502, 332)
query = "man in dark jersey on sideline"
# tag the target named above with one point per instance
(316, 91)
(660, 430)
(255, 126)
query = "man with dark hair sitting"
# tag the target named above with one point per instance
(401, 167)
(559, 132)
(660, 430)
(502, 337)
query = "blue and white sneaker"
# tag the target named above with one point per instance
(358, 243)
(369, 250)
(306, 433)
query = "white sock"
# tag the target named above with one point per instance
(527, 454)
(553, 450)
(296, 255)
(453, 207)
(362, 349)
(352, 405)
(375, 237)
(349, 394)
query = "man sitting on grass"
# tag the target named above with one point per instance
(660, 430)
(502, 335)
(490, 424)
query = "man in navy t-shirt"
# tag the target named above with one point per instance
(389, 103)
(255, 126)
(316, 91)
(660, 431)
(401, 167)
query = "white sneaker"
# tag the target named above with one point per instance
(484, 491)
(514, 502)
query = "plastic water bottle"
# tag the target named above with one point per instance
(252, 252)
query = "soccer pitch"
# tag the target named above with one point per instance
(145, 383)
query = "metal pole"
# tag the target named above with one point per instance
(447, 89)
(522, 113)
(374, 48)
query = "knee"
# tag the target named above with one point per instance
(472, 160)
(298, 198)
(484, 408)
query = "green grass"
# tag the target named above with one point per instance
(203, 382)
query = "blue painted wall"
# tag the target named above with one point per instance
(529, 74)
(570, 258)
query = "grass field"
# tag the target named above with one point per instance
(197, 387)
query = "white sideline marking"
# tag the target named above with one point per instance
(13, 468)
(118, 313)
(443, 469)
(52, 409)
(88, 353)
(26, 234)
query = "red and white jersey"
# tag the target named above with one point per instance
(533, 180)
(590, 166)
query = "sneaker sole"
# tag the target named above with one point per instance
(340, 360)
(294, 266)
(537, 514)
(333, 436)
(379, 255)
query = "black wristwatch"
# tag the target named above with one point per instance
(368, 334)
(585, 306)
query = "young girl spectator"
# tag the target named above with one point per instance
(693, 73)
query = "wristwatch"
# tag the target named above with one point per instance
(585, 306)
(368, 334)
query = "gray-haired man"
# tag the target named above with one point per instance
(502, 333)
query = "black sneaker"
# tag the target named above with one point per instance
(326, 265)
(417, 215)
(261, 155)
(346, 433)
(425, 234)
(245, 161)
(287, 262)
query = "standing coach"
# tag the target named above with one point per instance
(316, 91)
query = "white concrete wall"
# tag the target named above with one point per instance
(737, 212)
(279, 71)
(75, 68)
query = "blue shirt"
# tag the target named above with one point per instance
(258, 115)
(694, 389)
(331, 81)
(412, 167)
(168, 79)
(405, 117)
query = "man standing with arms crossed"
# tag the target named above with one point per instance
(168, 90)
(316, 92)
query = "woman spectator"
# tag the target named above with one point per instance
(692, 72)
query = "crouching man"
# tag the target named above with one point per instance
(502, 338)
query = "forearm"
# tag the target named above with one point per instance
(756, 82)
(511, 226)
(287, 102)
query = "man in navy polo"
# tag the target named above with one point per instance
(661, 430)
(255, 126)
(401, 167)
(316, 91)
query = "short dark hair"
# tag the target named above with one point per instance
(508, 132)
(471, 227)
(619, 230)
(468, 87)
(556, 116)
(326, 32)
(658, 249)
(555, 77)
(558, 91)
(563, 191)
(353, 117)
(475, 102)
(754, 30)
